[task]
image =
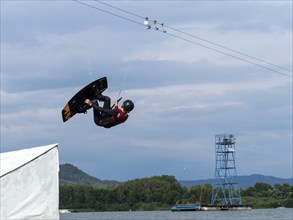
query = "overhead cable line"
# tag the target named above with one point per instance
(108, 12)
(119, 9)
(216, 50)
(227, 48)
(237, 57)
(163, 27)
(234, 56)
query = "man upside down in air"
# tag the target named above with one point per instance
(108, 116)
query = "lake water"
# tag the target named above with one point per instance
(257, 214)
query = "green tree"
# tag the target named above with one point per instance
(262, 189)
(160, 192)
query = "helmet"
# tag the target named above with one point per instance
(128, 105)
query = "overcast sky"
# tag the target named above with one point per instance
(186, 89)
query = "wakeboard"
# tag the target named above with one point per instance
(77, 102)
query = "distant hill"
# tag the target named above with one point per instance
(244, 181)
(70, 174)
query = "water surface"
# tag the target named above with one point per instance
(257, 214)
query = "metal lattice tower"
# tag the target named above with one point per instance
(225, 187)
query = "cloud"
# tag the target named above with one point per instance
(184, 94)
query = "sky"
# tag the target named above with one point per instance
(213, 67)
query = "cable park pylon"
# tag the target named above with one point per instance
(226, 192)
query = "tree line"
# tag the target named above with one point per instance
(160, 192)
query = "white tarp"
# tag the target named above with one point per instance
(30, 184)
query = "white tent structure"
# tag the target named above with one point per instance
(29, 184)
